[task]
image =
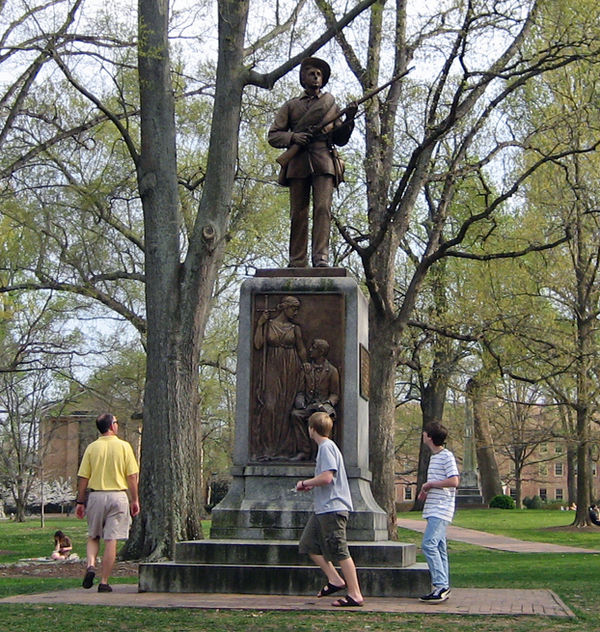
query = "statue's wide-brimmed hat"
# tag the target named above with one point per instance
(315, 62)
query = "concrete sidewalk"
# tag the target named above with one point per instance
(476, 601)
(492, 541)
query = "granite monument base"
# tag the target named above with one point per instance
(385, 569)
(262, 504)
(468, 493)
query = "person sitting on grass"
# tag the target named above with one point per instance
(62, 546)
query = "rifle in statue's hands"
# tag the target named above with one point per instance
(295, 148)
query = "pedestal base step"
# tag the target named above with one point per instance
(285, 553)
(178, 577)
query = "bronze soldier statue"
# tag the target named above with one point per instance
(308, 127)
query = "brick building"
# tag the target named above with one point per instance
(546, 476)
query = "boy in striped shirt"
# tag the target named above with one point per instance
(438, 493)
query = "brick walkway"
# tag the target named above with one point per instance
(462, 601)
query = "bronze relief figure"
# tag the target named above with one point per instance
(282, 353)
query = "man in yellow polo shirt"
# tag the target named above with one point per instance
(108, 469)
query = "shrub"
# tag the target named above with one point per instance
(526, 502)
(502, 502)
(535, 503)
(218, 491)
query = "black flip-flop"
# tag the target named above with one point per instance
(346, 602)
(330, 589)
(88, 580)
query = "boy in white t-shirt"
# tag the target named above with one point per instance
(324, 536)
(439, 495)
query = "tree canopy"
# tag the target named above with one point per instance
(136, 180)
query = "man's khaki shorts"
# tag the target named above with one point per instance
(108, 515)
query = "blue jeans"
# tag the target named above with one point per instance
(434, 549)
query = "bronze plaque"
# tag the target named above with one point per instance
(297, 368)
(365, 372)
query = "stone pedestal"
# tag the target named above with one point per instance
(261, 504)
(468, 493)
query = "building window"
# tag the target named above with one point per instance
(513, 493)
(558, 469)
(558, 449)
(558, 493)
(544, 448)
(594, 469)
(543, 493)
(408, 493)
(543, 469)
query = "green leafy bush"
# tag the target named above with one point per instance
(502, 501)
(218, 491)
(533, 503)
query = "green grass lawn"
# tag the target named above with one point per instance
(526, 524)
(29, 539)
(574, 577)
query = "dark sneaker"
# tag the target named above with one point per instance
(104, 588)
(88, 578)
(436, 596)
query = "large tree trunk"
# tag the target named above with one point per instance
(486, 458)
(571, 474)
(384, 331)
(582, 407)
(433, 399)
(434, 390)
(583, 470)
(382, 413)
(20, 507)
(569, 433)
(178, 294)
(585, 259)
(519, 492)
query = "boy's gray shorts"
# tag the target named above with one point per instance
(325, 534)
